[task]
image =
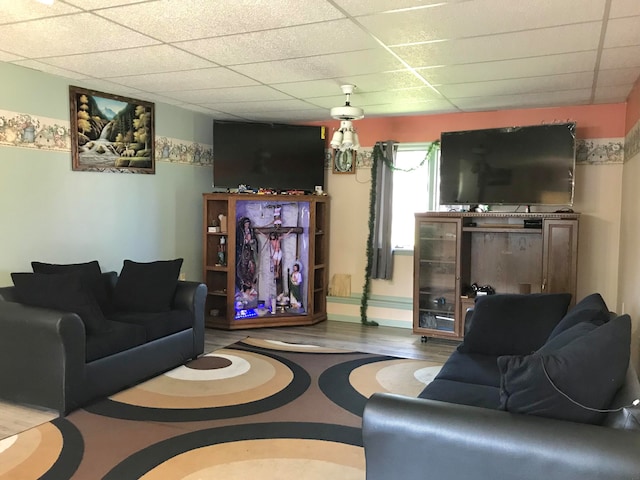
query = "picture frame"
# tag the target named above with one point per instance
(343, 161)
(111, 133)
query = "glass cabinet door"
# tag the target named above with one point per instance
(436, 276)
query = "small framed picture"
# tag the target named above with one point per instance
(343, 162)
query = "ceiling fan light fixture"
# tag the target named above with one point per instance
(347, 111)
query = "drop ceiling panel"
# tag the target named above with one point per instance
(571, 97)
(622, 32)
(546, 41)
(22, 10)
(364, 7)
(620, 57)
(43, 67)
(618, 76)
(478, 18)
(173, 21)
(136, 61)
(237, 94)
(511, 69)
(624, 8)
(321, 66)
(410, 108)
(9, 57)
(612, 94)
(520, 86)
(82, 33)
(320, 38)
(205, 78)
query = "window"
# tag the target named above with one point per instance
(415, 189)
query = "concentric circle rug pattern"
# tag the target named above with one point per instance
(256, 409)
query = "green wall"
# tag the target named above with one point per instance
(50, 213)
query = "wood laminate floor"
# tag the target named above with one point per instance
(398, 342)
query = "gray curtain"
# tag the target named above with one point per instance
(382, 250)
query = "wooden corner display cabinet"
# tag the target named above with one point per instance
(511, 252)
(265, 259)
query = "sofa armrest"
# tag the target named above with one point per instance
(191, 296)
(418, 438)
(42, 356)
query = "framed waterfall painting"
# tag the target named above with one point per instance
(110, 133)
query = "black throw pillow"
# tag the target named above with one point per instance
(61, 291)
(147, 287)
(571, 382)
(92, 276)
(591, 308)
(513, 324)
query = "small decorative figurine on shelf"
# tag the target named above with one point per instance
(295, 286)
(222, 252)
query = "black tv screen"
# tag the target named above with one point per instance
(266, 155)
(530, 165)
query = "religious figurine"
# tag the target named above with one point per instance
(246, 255)
(295, 286)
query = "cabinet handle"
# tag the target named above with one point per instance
(544, 284)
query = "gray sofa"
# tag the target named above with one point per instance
(557, 409)
(50, 358)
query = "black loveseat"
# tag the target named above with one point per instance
(52, 358)
(531, 393)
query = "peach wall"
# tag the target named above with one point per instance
(633, 107)
(594, 121)
(597, 197)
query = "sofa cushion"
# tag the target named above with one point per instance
(91, 273)
(147, 287)
(156, 325)
(572, 382)
(513, 324)
(471, 368)
(591, 308)
(61, 291)
(462, 393)
(120, 337)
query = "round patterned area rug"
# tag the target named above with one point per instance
(258, 408)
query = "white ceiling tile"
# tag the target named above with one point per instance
(620, 57)
(100, 4)
(478, 18)
(409, 108)
(232, 94)
(313, 88)
(390, 80)
(108, 87)
(136, 61)
(295, 116)
(624, 8)
(204, 78)
(572, 97)
(322, 66)
(33, 39)
(175, 20)
(9, 57)
(21, 10)
(520, 86)
(618, 76)
(617, 93)
(623, 32)
(575, 38)
(291, 42)
(517, 68)
(264, 106)
(364, 7)
(43, 67)
(364, 100)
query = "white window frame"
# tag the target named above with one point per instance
(432, 168)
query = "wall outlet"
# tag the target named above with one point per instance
(182, 276)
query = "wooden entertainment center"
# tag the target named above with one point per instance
(511, 252)
(252, 245)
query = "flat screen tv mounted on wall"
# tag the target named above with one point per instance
(530, 165)
(267, 155)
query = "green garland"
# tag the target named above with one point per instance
(377, 156)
